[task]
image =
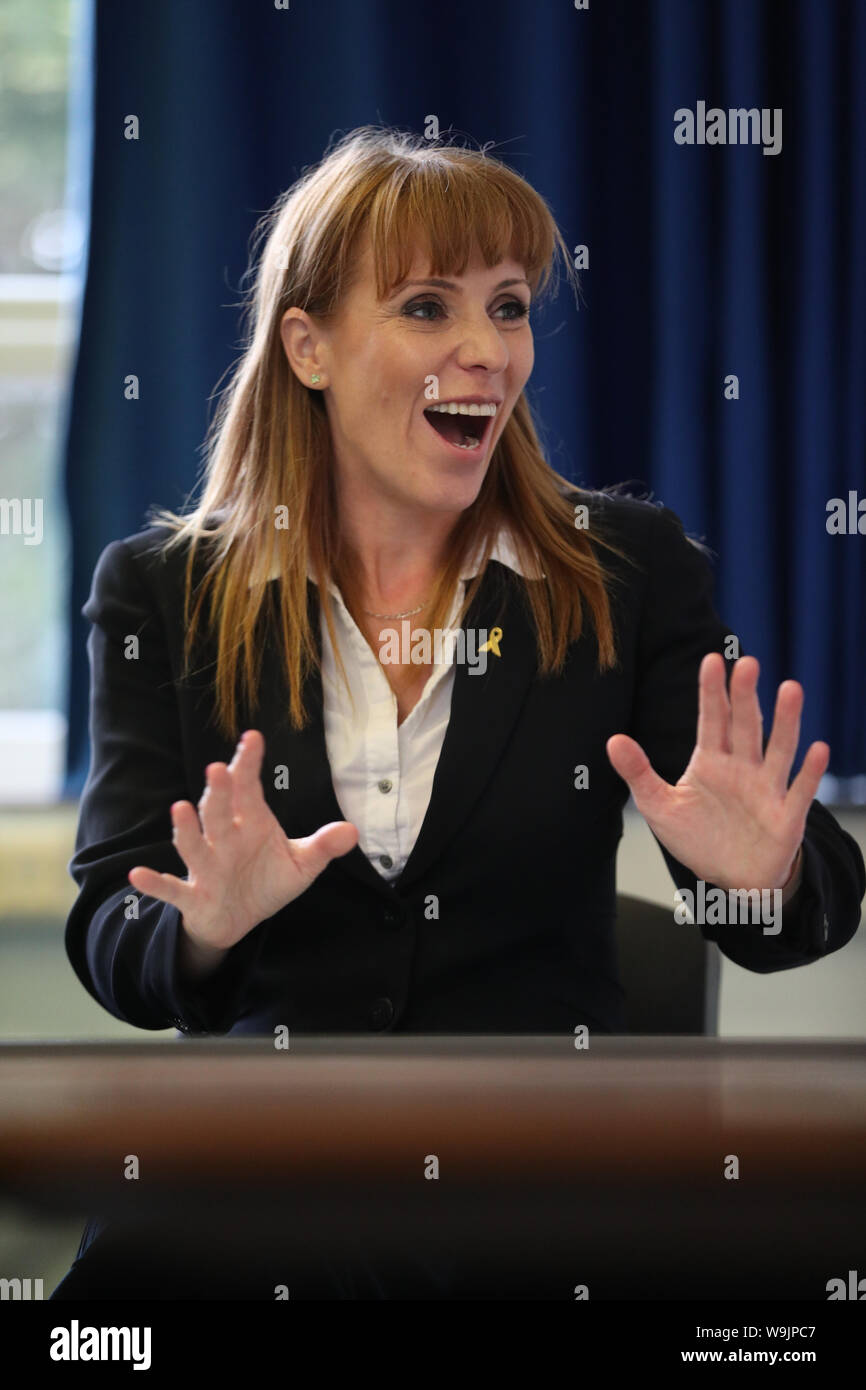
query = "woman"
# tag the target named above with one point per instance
(327, 834)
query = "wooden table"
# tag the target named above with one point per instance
(604, 1167)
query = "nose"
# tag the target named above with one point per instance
(481, 344)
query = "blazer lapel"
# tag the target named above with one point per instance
(310, 800)
(484, 709)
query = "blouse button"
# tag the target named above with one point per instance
(385, 785)
(386, 861)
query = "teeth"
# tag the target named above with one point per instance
(470, 442)
(455, 408)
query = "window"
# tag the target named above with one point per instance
(42, 243)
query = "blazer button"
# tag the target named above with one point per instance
(381, 1013)
(391, 917)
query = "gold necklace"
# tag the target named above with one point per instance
(409, 614)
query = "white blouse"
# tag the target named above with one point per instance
(383, 772)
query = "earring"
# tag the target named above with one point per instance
(315, 378)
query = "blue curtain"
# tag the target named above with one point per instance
(705, 261)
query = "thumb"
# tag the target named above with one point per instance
(315, 852)
(634, 767)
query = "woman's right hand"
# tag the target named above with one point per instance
(242, 866)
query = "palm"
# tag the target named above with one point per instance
(242, 867)
(258, 876)
(731, 818)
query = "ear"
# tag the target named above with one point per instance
(303, 344)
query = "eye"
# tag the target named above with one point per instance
(520, 310)
(411, 310)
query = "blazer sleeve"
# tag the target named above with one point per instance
(679, 625)
(123, 944)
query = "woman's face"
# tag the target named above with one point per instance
(384, 363)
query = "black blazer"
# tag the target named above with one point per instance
(503, 918)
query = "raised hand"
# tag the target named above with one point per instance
(242, 867)
(731, 818)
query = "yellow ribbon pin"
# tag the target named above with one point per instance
(492, 643)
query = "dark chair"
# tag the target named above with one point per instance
(670, 974)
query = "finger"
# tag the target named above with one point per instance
(746, 720)
(804, 787)
(313, 853)
(784, 735)
(215, 807)
(166, 887)
(187, 837)
(634, 767)
(714, 711)
(246, 771)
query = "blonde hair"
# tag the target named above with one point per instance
(269, 444)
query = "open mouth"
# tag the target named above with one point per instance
(467, 433)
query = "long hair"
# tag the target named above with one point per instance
(268, 502)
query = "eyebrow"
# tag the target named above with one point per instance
(450, 285)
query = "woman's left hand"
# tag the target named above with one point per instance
(731, 818)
